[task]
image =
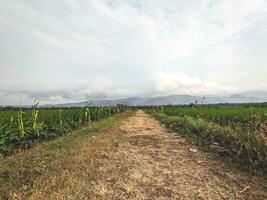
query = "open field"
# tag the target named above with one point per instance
(20, 171)
(22, 127)
(133, 100)
(235, 133)
(131, 157)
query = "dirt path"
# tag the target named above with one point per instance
(142, 160)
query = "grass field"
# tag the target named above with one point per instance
(235, 133)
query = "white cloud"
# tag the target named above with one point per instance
(109, 48)
(51, 40)
(226, 55)
(50, 92)
(103, 87)
(182, 83)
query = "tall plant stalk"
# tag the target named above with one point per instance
(20, 120)
(35, 118)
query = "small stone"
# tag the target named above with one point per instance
(193, 150)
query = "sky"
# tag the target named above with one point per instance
(60, 51)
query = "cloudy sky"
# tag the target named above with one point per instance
(59, 50)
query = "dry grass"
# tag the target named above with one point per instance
(151, 163)
(54, 167)
(140, 159)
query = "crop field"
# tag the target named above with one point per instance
(236, 133)
(21, 127)
(196, 152)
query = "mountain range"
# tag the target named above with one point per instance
(245, 97)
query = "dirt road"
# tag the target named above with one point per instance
(142, 160)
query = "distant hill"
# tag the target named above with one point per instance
(245, 97)
(256, 94)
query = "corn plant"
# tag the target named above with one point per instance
(21, 126)
(35, 118)
(20, 121)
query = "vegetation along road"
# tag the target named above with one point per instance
(127, 156)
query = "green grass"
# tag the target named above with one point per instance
(231, 133)
(242, 117)
(20, 170)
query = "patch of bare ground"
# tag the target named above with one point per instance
(142, 160)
